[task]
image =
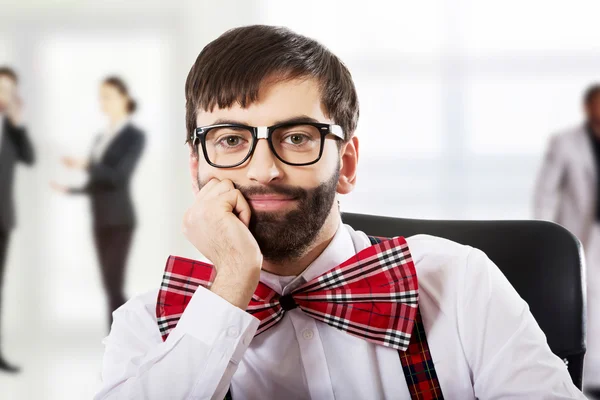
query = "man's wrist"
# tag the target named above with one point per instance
(236, 288)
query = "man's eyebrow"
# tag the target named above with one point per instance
(298, 119)
(228, 121)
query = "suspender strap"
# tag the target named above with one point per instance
(417, 365)
(419, 371)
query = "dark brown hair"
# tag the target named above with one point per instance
(120, 85)
(8, 71)
(232, 68)
(591, 93)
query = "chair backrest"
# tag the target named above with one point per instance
(542, 260)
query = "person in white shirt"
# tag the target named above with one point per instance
(289, 307)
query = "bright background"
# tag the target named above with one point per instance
(458, 98)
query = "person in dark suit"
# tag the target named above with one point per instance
(14, 147)
(110, 166)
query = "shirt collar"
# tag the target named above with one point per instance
(341, 248)
(119, 127)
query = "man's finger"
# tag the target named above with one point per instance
(237, 204)
(218, 189)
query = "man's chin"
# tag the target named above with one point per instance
(268, 215)
(271, 224)
(272, 215)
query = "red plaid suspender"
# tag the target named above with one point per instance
(417, 364)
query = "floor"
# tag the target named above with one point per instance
(56, 364)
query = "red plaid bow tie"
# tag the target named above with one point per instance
(373, 295)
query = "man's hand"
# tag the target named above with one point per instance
(74, 163)
(217, 225)
(14, 111)
(58, 187)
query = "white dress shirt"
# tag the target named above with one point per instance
(106, 139)
(484, 341)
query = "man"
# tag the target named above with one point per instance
(567, 192)
(14, 147)
(331, 313)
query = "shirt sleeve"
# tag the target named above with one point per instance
(25, 152)
(197, 361)
(507, 351)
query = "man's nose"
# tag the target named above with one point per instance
(263, 167)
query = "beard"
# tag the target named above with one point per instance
(286, 235)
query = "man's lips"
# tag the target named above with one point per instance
(270, 202)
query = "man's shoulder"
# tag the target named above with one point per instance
(568, 134)
(449, 273)
(429, 251)
(442, 251)
(441, 264)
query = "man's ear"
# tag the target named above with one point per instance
(348, 166)
(194, 171)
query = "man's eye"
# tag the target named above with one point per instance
(296, 139)
(231, 141)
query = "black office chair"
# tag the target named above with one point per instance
(542, 260)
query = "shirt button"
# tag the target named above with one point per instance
(308, 334)
(233, 332)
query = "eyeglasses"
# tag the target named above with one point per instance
(231, 145)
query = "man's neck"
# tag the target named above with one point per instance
(296, 267)
(595, 129)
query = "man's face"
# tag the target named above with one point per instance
(8, 90)
(593, 110)
(289, 204)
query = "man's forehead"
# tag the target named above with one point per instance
(6, 81)
(278, 100)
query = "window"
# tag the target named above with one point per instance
(473, 89)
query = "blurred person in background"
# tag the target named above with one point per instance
(568, 192)
(14, 147)
(295, 304)
(110, 166)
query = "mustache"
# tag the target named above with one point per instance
(286, 190)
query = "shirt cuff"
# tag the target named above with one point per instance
(217, 323)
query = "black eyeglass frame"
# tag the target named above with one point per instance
(266, 132)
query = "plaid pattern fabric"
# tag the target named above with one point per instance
(417, 364)
(181, 279)
(373, 295)
(418, 367)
